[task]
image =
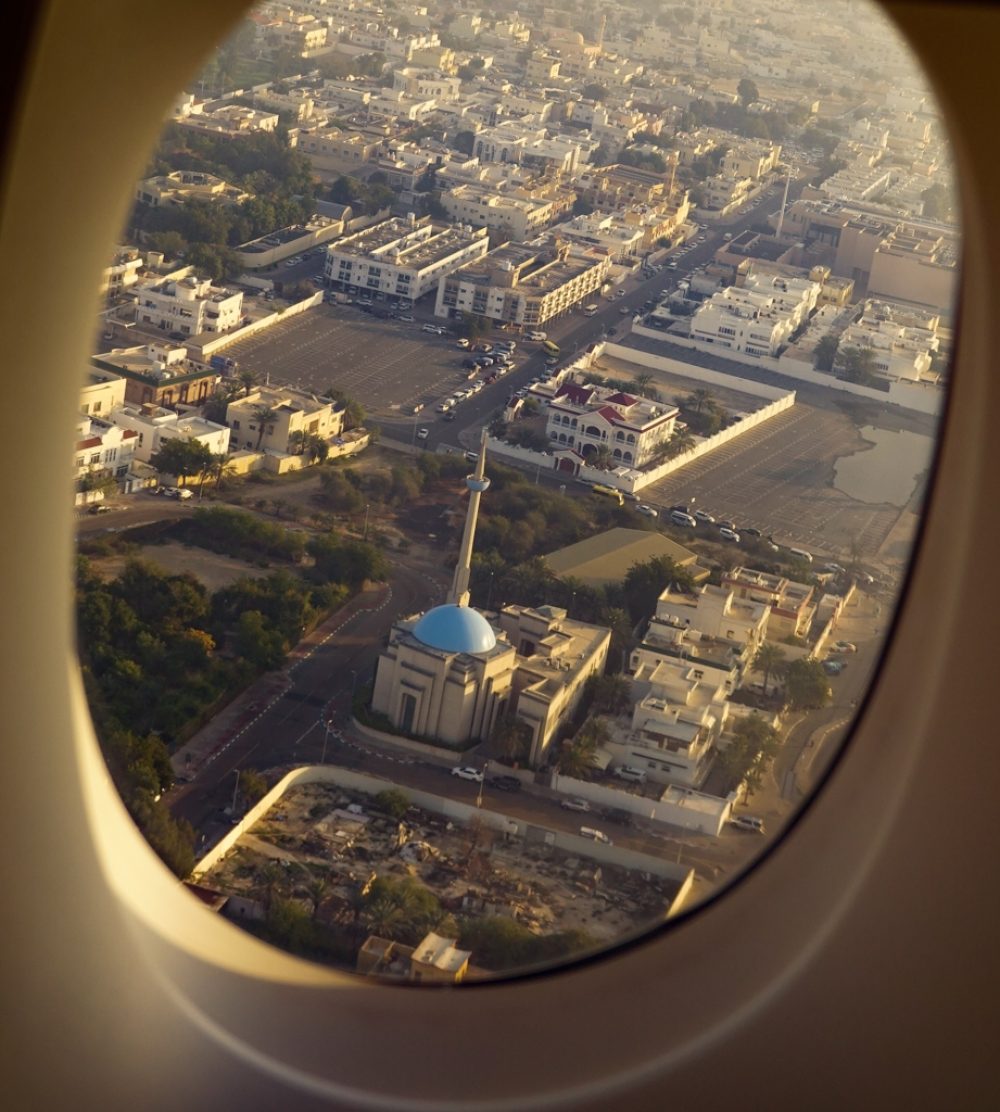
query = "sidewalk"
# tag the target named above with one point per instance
(252, 703)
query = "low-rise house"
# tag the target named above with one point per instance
(792, 604)
(273, 419)
(153, 425)
(189, 305)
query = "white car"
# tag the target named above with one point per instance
(624, 310)
(704, 516)
(466, 772)
(422, 434)
(748, 822)
(844, 647)
(595, 835)
(575, 804)
(729, 535)
(646, 511)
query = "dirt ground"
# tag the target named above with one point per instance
(212, 569)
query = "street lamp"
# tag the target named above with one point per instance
(326, 738)
(482, 784)
(236, 788)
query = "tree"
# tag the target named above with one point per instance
(752, 746)
(699, 398)
(264, 415)
(937, 203)
(220, 466)
(316, 889)
(642, 382)
(769, 659)
(806, 685)
(594, 91)
(645, 582)
(857, 364)
(612, 694)
(182, 458)
(825, 352)
(747, 91)
(464, 141)
(253, 786)
(511, 738)
(393, 802)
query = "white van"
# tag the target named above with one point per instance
(595, 835)
(748, 822)
(630, 772)
(802, 554)
(686, 520)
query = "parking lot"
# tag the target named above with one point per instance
(779, 478)
(388, 365)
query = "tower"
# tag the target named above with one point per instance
(477, 483)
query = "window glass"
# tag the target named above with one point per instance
(389, 688)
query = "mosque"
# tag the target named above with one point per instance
(450, 674)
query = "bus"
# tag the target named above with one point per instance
(550, 347)
(590, 310)
(608, 492)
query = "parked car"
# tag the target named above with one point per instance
(100, 508)
(748, 822)
(451, 415)
(575, 804)
(466, 772)
(646, 511)
(624, 310)
(844, 647)
(506, 783)
(704, 517)
(749, 531)
(422, 434)
(834, 569)
(462, 343)
(432, 329)
(405, 320)
(595, 835)
(729, 535)
(833, 667)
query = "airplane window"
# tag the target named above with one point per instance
(500, 461)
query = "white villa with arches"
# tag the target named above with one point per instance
(586, 418)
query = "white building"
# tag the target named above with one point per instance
(152, 425)
(759, 317)
(402, 258)
(103, 448)
(588, 418)
(606, 232)
(189, 305)
(902, 340)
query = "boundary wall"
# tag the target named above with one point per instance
(907, 395)
(575, 844)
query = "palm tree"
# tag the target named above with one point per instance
(770, 659)
(248, 380)
(296, 442)
(220, 467)
(268, 880)
(317, 889)
(511, 738)
(263, 415)
(575, 761)
(700, 398)
(601, 459)
(641, 382)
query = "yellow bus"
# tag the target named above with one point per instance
(608, 492)
(550, 347)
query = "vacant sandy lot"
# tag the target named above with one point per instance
(210, 568)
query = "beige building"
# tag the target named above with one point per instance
(792, 604)
(159, 374)
(102, 392)
(450, 674)
(605, 559)
(508, 215)
(434, 960)
(333, 151)
(288, 414)
(916, 266)
(180, 186)
(525, 284)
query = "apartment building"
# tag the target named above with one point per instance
(188, 305)
(620, 186)
(123, 271)
(671, 742)
(758, 318)
(426, 84)
(402, 258)
(590, 418)
(224, 118)
(792, 604)
(606, 232)
(523, 284)
(102, 392)
(510, 216)
(269, 417)
(751, 160)
(331, 150)
(723, 192)
(918, 266)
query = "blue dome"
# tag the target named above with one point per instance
(455, 629)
